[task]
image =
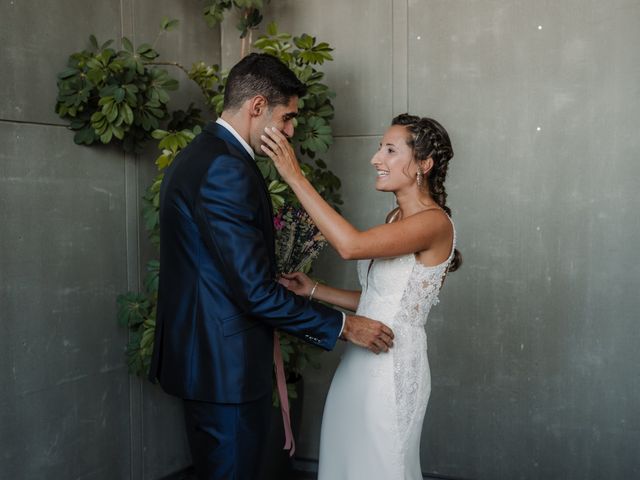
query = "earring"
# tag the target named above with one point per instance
(419, 178)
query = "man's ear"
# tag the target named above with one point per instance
(257, 105)
(426, 165)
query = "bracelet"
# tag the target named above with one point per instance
(313, 290)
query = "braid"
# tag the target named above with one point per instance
(429, 139)
(436, 186)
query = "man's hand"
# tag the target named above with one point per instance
(370, 334)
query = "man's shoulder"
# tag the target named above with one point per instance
(203, 152)
(211, 142)
(214, 142)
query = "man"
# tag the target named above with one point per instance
(219, 300)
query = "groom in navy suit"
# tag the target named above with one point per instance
(219, 300)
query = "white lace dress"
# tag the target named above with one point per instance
(376, 404)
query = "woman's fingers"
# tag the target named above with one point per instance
(274, 139)
(292, 275)
(276, 135)
(277, 147)
(270, 147)
(279, 143)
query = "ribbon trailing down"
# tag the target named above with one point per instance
(281, 382)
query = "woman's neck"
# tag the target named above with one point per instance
(412, 202)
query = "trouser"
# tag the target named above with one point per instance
(227, 441)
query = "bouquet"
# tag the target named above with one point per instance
(298, 240)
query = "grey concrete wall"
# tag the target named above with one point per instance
(71, 242)
(533, 347)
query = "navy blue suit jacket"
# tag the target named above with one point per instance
(218, 299)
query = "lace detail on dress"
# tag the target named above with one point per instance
(410, 362)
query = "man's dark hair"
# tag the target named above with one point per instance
(261, 74)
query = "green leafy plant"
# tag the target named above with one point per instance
(108, 94)
(137, 310)
(121, 97)
(313, 134)
(250, 13)
(314, 108)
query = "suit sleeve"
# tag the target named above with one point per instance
(230, 203)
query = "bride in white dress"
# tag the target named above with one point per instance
(376, 404)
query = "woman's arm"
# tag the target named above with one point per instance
(302, 285)
(413, 234)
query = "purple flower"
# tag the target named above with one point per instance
(277, 222)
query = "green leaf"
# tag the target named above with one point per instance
(118, 132)
(85, 136)
(126, 44)
(277, 187)
(153, 273)
(127, 114)
(67, 73)
(106, 136)
(147, 338)
(159, 134)
(168, 24)
(145, 47)
(325, 110)
(277, 201)
(118, 95)
(305, 41)
(97, 116)
(111, 112)
(106, 44)
(272, 29)
(132, 309)
(94, 41)
(150, 217)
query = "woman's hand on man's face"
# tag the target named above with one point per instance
(277, 147)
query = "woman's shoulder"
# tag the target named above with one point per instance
(432, 218)
(435, 217)
(436, 224)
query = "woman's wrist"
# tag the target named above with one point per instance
(297, 181)
(313, 291)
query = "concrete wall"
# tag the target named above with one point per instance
(71, 242)
(533, 348)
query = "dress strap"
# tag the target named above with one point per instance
(453, 242)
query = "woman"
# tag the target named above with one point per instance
(376, 404)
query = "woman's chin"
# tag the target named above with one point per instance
(381, 186)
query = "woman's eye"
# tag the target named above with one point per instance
(390, 150)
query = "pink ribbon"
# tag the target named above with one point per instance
(281, 382)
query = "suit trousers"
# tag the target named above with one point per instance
(227, 441)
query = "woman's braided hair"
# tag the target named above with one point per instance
(427, 138)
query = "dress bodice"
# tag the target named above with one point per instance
(400, 289)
